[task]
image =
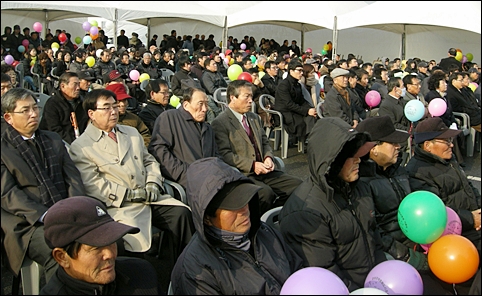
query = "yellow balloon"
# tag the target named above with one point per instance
(32, 62)
(94, 23)
(459, 56)
(326, 47)
(231, 61)
(144, 76)
(55, 45)
(261, 74)
(90, 61)
(472, 86)
(174, 101)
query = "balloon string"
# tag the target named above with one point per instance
(455, 290)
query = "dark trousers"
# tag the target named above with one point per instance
(39, 252)
(177, 222)
(276, 188)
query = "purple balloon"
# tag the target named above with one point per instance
(94, 30)
(314, 281)
(86, 26)
(243, 46)
(395, 277)
(464, 59)
(9, 59)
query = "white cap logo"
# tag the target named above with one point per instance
(100, 211)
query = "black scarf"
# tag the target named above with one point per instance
(49, 174)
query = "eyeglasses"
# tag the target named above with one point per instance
(274, 68)
(300, 70)
(28, 111)
(164, 92)
(447, 142)
(110, 108)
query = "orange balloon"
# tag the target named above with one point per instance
(453, 259)
(94, 36)
(458, 49)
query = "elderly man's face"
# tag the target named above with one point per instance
(162, 96)
(440, 147)
(25, 118)
(106, 115)
(198, 106)
(236, 221)
(95, 265)
(71, 90)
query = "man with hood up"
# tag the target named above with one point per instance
(327, 220)
(232, 251)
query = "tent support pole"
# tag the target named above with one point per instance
(224, 39)
(404, 41)
(46, 28)
(335, 39)
(148, 31)
(116, 24)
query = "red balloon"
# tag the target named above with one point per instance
(62, 37)
(15, 63)
(245, 76)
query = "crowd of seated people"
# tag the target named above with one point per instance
(120, 121)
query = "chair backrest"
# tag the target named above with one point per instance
(267, 102)
(220, 97)
(319, 109)
(175, 190)
(167, 75)
(271, 217)
(41, 100)
(20, 73)
(143, 84)
(52, 73)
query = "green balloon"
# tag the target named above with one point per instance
(78, 40)
(253, 59)
(233, 71)
(422, 217)
(323, 52)
(469, 57)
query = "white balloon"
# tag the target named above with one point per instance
(368, 291)
(54, 49)
(98, 52)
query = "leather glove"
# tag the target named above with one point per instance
(136, 195)
(153, 191)
(418, 260)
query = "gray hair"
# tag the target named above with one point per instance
(146, 55)
(11, 97)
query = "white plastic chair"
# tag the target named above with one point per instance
(469, 132)
(271, 217)
(220, 98)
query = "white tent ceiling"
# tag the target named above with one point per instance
(390, 19)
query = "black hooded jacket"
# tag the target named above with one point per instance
(208, 266)
(329, 226)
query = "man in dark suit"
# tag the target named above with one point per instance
(450, 60)
(243, 144)
(270, 79)
(36, 173)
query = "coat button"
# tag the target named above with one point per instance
(135, 157)
(116, 159)
(142, 173)
(132, 177)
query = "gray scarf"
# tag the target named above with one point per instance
(236, 240)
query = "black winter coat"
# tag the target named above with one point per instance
(56, 117)
(212, 267)
(332, 228)
(448, 117)
(463, 101)
(388, 188)
(448, 181)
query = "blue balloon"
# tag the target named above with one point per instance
(414, 110)
(87, 40)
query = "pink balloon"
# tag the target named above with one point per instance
(373, 98)
(25, 43)
(222, 55)
(94, 30)
(9, 59)
(454, 226)
(243, 46)
(134, 75)
(309, 50)
(464, 59)
(37, 27)
(437, 107)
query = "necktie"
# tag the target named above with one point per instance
(112, 136)
(246, 126)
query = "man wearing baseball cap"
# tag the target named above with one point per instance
(83, 238)
(433, 168)
(219, 258)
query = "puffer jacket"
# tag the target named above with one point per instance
(388, 188)
(208, 266)
(448, 181)
(332, 228)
